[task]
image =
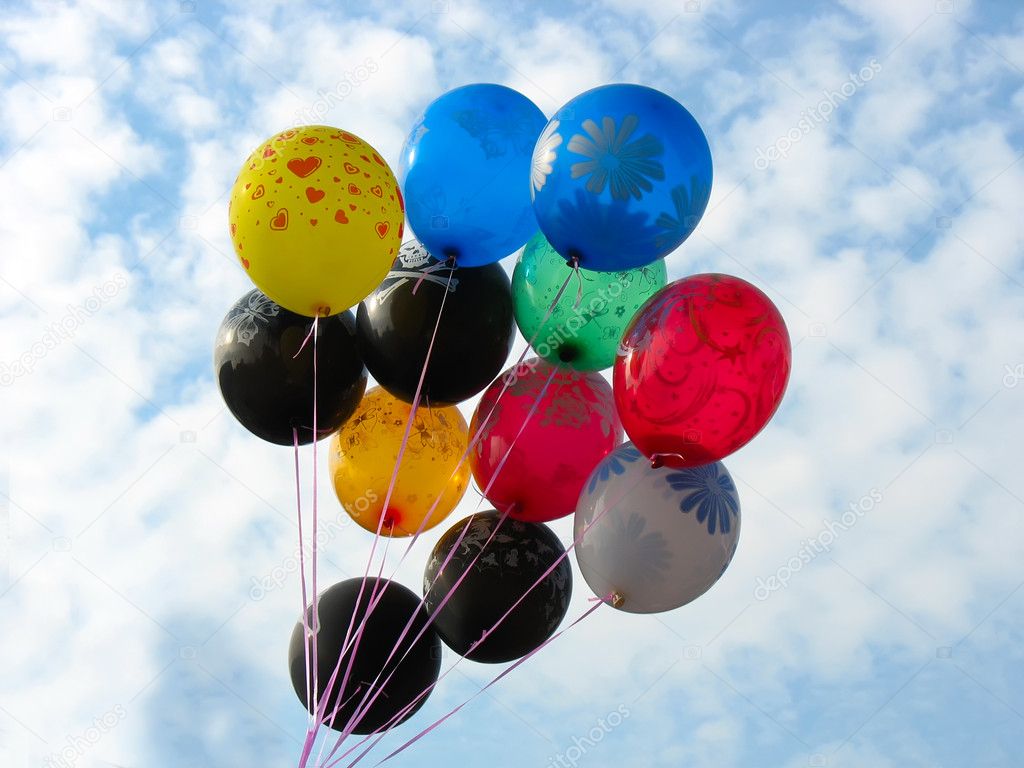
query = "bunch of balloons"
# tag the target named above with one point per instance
(592, 201)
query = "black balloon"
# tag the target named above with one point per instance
(268, 389)
(510, 564)
(419, 669)
(477, 327)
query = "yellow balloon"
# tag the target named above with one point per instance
(316, 218)
(363, 454)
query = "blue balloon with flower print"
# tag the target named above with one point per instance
(620, 177)
(655, 538)
(464, 170)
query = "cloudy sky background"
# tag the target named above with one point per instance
(135, 514)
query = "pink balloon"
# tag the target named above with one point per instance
(572, 429)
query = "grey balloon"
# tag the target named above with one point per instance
(654, 539)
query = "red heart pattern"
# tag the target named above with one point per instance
(317, 169)
(280, 221)
(303, 167)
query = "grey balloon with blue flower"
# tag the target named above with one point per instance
(653, 539)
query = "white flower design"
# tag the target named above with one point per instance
(246, 322)
(625, 166)
(543, 157)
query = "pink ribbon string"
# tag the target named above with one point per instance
(302, 572)
(312, 666)
(305, 341)
(383, 731)
(475, 439)
(374, 599)
(348, 669)
(446, 264)
(349, 642)
(360, 711)
(598, 602)
(574, 263)
(316, 522)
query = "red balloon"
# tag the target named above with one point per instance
(701, 369)
(572, 429)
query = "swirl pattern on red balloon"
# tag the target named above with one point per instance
(701, 369)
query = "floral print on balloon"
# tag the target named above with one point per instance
(654, 538)
(709, 493)
(246, 321)
(624, 166)
(543, 156)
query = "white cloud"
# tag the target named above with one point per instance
(897, 383)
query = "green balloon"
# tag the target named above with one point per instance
(583, 335)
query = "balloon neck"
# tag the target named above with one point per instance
(567, 353)
(573, 258)
(658, 459)
(390, 520)
(616, 599)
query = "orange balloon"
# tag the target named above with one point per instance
(363, 455)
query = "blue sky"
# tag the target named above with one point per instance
(135, 514)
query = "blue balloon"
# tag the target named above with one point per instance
(620, 177)
(464, 169)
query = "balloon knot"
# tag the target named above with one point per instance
(658, 459)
